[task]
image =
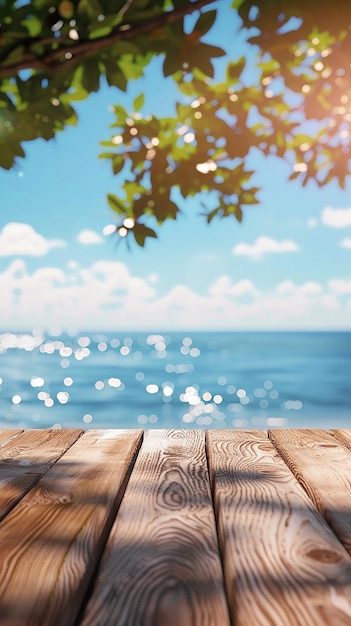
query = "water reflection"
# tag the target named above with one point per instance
(203, 380)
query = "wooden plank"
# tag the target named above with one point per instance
(7, 434)
(323, 467)
(51, 542)
(26, 457)
(343, 435)
(161, 566)
(282, 563)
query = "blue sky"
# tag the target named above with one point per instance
(287, 266)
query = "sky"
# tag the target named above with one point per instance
(287, 266)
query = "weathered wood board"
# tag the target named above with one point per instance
(7, 434)
(283, 566)
(343, 435)
(25, 458)
(51, 541)
(161, 566)
(323, 467)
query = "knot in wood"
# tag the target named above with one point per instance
(323, 556)
(174, 496)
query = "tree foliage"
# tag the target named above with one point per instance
(294, 102)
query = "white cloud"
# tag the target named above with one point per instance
(105, 293)
(340, 285)
(309, 288)
(21, 239)
(107, 296)
(264, 245)
(329, 301)
(336, 218)
(287, 286)
(345, 243)
(88, 236)
(223, 287)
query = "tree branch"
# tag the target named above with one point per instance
(53, 61)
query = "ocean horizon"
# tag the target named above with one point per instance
(176, 379)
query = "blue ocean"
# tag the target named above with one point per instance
(175, 380)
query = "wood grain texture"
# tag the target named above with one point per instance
(26, 457)
(161, 566)
(7, 434)
(323, 467)
(343, 435)
(282, 564)
(51, 542)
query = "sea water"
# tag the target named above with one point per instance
(175, 380)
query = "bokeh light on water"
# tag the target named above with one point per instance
(202, 380)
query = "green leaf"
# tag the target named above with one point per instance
(205, 21)
(234, 69)
(33, 25)
(100, 32)
(171, 64)
(117, 164)
(200, 60)
(141, 232)
(15, 56)
(115, 204)
(138, 102)
(211, 215)
(91, 75)
(9, 150)
(115, 77)
(249, 198)
(130, 69)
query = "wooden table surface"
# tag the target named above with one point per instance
(175, 527)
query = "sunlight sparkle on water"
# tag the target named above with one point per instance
(66, 351)
(81, 353)
(167, 389)
(222, 380)
(62, 397)
(217, 399)
(114, 382)
(152, 388)
(295, 405)
(43, 395)
(84, 342)
(37, 381)
(159, 393)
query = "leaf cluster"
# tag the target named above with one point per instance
(295, 104)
